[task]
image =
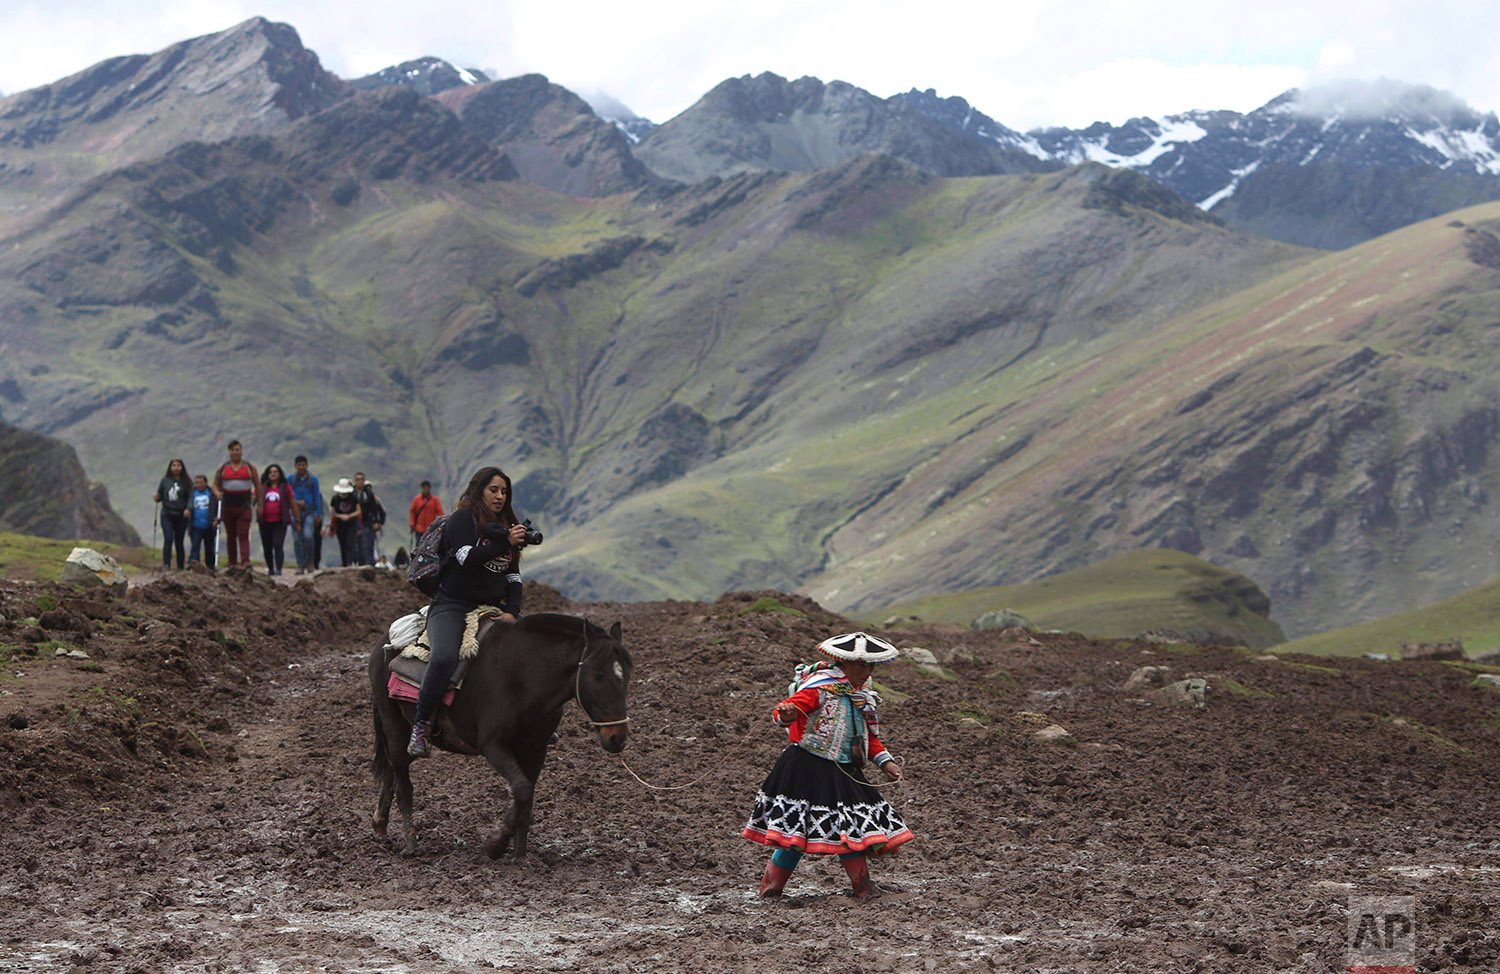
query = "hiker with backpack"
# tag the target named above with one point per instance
(236, 484)
(344, 521)
(310, 504)
(172, 494)
(426, 507)
(204, 508)
(467, 559)
(277, 511)
(371, 518)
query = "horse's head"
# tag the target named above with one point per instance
(603, 674)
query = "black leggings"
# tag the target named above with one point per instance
(445, 632)
(348, 535)
(272, 544)
(173, 531)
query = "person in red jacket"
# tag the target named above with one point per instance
(817, 799)
(235, 485)
(425, 508)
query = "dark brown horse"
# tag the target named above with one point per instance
(511, 703)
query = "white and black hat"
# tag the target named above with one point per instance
(858, 647)
(343, 486)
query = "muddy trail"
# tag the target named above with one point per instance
(194, 796)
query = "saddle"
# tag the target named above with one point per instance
(408, 667)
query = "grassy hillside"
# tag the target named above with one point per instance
(24, 556)
(1119, 597)
(1473, 617)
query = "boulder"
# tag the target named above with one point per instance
(1448, 649)
(88, 568)
(1147, 678)
(924, 660)
(1194, 691)
(999, 619)
(1053, 732)
(1493, 679)
(895, 621)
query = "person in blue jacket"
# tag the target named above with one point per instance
(310, 500)
(203, 513)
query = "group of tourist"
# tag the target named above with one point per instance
(194, 508)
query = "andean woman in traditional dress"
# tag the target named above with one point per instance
(817, 799)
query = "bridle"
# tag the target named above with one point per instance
(578, 679)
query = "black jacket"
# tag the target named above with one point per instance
(477, 570)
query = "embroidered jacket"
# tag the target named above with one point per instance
(831, 724)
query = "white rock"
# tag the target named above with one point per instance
(920, 656)
(76, 654)
(90, 569)
(1193, 691)
(1492, 678)
(1146, 678)
(1052, 732)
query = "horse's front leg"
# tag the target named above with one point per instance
(518, 819)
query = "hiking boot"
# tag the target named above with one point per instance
(417, 746)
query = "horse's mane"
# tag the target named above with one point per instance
(558, 624)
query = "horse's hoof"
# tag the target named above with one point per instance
(409, 850)
(379, 827)
(495, 847)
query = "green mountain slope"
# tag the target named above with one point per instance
(1327, 431)
(1122, 596)
(1472, 617)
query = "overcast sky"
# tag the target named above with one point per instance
(1024, 62)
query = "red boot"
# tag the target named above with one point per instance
(773, 881)
(859, 876)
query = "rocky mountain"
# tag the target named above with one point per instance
(868, 380)
(1328, 167)
(424, 75)
(767, 122)
(620, 115)
(255, 78)
(45, 492)
(553, 136)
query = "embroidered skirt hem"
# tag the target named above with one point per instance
(814, 805)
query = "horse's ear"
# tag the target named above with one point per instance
(614, 632)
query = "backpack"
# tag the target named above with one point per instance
(426, 568)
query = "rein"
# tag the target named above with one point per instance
(578, 679)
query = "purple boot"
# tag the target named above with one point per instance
(417, 746)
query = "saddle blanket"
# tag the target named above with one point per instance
(406, 679)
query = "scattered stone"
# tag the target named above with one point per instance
(1033, 718)
(1096, 746)
(1194, 691)
(1146, 678)
(895, 621)
(1268, 658)
(76, 654)
(1163, 636)
(17, 722)
(1493, 679)
(925, 661)
(972, 724)
(1052, 732)
(88, 568)
(999, 619)
(1447, 649)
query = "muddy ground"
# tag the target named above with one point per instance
(194, 796)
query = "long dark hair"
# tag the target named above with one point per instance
(184, 475)
(265, 475)
(472, 499)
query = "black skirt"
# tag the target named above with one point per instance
(815, 805)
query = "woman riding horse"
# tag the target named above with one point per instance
(481, 546)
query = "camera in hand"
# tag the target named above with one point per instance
(533, 536)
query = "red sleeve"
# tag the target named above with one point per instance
(439, 504)
(805, 701)
(876, 748)
(415, 509)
